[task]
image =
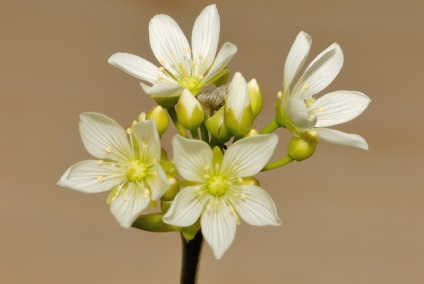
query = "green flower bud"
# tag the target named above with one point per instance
(189, 111)
(238, 116)
(255, 97)
(280, 117)
(159, 115)
(216, 127)
(302, 147)
(173, 189)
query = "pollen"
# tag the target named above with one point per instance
(306, 86)
(129, 131)
(108, 150)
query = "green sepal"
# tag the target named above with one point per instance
(166, 102)
(221, 77)
(217, 157)
(153, 223)
(190, 232)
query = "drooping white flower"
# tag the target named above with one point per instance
(130, 169)
(182, 66)
(300, 112)
(219, 192)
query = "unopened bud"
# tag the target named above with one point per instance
(255, 97)
(238, 112)
(189, 111)
(302, 147)
(216, 127)
(159, 115)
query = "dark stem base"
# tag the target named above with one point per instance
(192, 251)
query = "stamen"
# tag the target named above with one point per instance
(99, 162)
(306, 86)
(100, 178)
(322, 108)
(129, 131)
(108, 150)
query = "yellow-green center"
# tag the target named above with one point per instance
(136, 170)
(191, 83)
(217, 185)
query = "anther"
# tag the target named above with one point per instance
(99, 162)
(129, 131)
(100, 178)
(108, 150)
(306, 86)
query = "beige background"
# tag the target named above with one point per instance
(350, 216)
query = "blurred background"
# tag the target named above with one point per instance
(349, 216)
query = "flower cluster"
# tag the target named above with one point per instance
(209, 183)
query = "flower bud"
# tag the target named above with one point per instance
(189, 111)
(216, 127)
(255, 97)
(279, 109)
(302, 147)
(238, 116)
(159, 115)
(172, 190)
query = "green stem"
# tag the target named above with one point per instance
(174, 118)
(194, 134)
(204, 133)
(273, 125)
(280, 163)
(192, 251)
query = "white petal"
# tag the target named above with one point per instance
(129, 205)
(103, 137)
(254, 205)
(157, 182)
(148, 140)
(218, 226)
(204, 39)
(186, 208)
(193, 158)
(297, 111)
(92, 177)
(338, 107)
(342, 138)
(135, 66)
(320, 73)
(170, 45)
(163, 90)
(248, 156)
(224, 56)
(238, 95)
(296, 58)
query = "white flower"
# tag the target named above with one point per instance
(131, 170)
(182, 67)
(301, 113)
(219, 192)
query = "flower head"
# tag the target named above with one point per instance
(183, 66)
(130, 170)
(220, 189)
(302, 114)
